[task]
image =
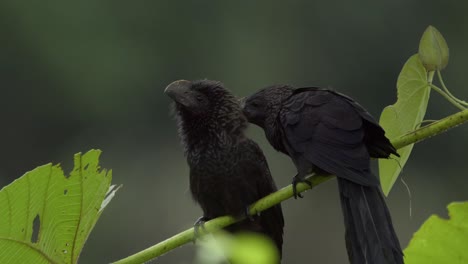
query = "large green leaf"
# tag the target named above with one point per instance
(46, 217)
(441, 240)
(404, 116)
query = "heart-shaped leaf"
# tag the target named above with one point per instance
(404, 116)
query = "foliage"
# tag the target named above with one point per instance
(46, 217)
(404, 116)
(413, 89)
(242, 248)
(441, 240)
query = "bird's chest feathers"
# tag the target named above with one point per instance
(212, 160)
(212, 149)
(213, 165)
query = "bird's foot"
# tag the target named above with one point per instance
(251, 218)
(200, 223)
(296, 180)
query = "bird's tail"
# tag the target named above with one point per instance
(370, 237)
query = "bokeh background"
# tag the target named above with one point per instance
(76, 75)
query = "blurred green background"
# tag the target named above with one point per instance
(76, 75)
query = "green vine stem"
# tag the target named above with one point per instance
(430, 77)
(286, 193)
(431, 130)
(439, 75)
(447, 96)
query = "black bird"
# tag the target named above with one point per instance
(228, 171)
(324, 131)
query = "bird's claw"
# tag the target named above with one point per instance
(200, 223)
(248, 216)
(297, 180)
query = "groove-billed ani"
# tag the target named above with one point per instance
(327, 132)
(228, 171)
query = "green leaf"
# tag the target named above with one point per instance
(404, 116)
(433, 50)
(250, 248)
(241, 248)
(440, 240)
(46, 217)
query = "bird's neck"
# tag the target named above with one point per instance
(274, 135)
(200, 135)
(273, 130)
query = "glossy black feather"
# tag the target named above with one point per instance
(328, 134)
(325, 131)
(228, 171)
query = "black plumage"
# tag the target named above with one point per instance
(228, 171)
(327, 132)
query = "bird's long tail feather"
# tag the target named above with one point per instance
(370, 237)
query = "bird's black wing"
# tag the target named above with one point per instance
(376, 142)
(328, 132)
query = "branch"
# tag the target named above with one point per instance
(286, 193)
(431, 130)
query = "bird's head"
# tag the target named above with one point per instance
(205, 104)
(263, 106)
(189, 97)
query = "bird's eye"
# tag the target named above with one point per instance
(199, 98)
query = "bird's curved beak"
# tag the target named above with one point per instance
(180, 92)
